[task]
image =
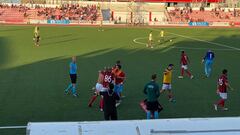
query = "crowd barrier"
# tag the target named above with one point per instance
(58, 22)
(198, 24)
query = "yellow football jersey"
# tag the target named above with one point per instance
(167, 77)
(162, 33)
(150, 36)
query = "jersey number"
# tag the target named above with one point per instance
(108, 78)
(220, 82)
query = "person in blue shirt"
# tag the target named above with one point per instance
(208, 61)
(73, 77)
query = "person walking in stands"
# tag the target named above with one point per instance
(151, 89)
(109, 108)
(73, 77)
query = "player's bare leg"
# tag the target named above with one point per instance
(221, 104)
(182, 73)
(93, 98)
(150, 44)
(101, 104)
(74, 92)
(170, 96)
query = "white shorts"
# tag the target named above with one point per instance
(185, 67)
(99, 87)
(166, 87)
(103, 89)
(223, 95)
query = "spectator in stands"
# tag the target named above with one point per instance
(151, 89)
(109, 99)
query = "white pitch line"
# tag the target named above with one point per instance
(13, 127)
(218, 44)
(175, 47)
(135, 40)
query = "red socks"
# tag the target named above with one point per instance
(101, 103)
(92, 100)
(221, 102)
(182, 72)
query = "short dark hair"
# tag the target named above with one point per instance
(183, 51)
(111, 86)
(224, 71)
(119, 66)
(154, 76)
(170, 65)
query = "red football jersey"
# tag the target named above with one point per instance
(184, 59)
(119, 77)
(107, 79)
(222, 80)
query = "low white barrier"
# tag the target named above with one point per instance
(189, 126)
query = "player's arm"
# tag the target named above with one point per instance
(204, 58)
(165, 72)
(188, 60)
(229, 86)
(217, 91)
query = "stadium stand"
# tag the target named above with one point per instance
(213, 15)
(65, 12)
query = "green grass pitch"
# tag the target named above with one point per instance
(33, 79)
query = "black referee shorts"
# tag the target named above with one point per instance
(152, 106)
(73, 78)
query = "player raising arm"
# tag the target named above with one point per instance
(222, 86)
(184, 65)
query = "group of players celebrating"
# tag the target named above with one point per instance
(107, 76)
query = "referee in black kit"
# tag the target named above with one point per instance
(109, 99)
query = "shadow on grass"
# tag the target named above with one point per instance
(4, 51)
(35, 92)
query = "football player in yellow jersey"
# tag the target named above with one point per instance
(101, 26)
(36, 36)
(161, 36)
(150, 40)
(167, 80)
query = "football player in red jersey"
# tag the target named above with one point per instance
(119, 78)
(98, 88)
(107, 79)
(184, 65)
(222, 86)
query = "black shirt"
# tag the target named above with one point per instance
(109, 99)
